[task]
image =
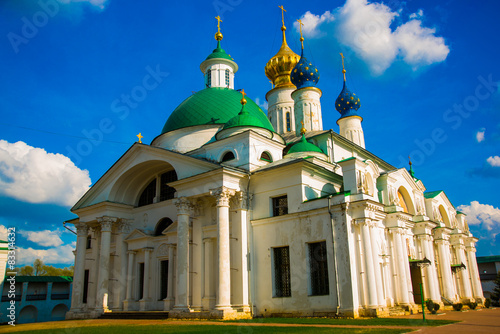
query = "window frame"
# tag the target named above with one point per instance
(276, 208)
(319, 280)
(282, 278)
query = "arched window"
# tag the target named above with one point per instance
(148, 194)
(288, 122)
(209, 78)
(228, 156)
(162, 225)
(227, 78)
(266, 157)
(167, 192)
(402, 202)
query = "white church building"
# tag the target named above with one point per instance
(232, 213)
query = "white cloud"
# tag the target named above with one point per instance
(416, 15)
(44, 238)
(31, 174)
(97, 3)
(365, 29)
(494, 161)
(60, 255)
(311, 23)
(263, 105)
(480, 135)
(484, 215)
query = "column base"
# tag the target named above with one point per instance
(208, 303)
(229, 314)
(168, 304)
(128, 305)
(143, 304)
(181, 308)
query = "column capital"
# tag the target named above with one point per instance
(82, 229)
(148, 250)
(364, 221)
(183, 205)
(106, 223)
(242, 199)
(131, 252)
(125, 225)
(222, 195)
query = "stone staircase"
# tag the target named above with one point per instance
(135, 315)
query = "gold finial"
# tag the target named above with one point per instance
(343, 69)
(302, 129)
(409, 158)
(140, 136)
(301, 38)
(218, 35)
(243, 100)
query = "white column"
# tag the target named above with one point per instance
(182, 296)
(130, 274)
(464, 273)
(82, 231)
(222, 196)
(445, 268)
(209, 296)
(94, 269)
(103, 282)
(170, 284)
(121, 265)
(477, 290)
(431, 270)
(147, 269)
(376, 264)
(196, 248)
(371, 285)
(402, 289)
(242, 220)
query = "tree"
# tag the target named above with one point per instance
(38, 267)
(25, 271)
(495, 296)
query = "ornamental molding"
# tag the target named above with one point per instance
(162, 250)
(125, 225)
(242, 200)
(222, 195)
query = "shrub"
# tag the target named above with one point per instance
(458, 306)
(472, 305)
(431, 306)
(487, 303)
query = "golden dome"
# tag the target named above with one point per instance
(279, 67)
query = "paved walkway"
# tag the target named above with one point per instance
(476, 322)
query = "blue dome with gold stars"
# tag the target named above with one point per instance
(347, 103)
(304, 74)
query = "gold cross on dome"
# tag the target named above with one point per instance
(301, 38)
(343, 69)
(282, 14)
(218, 22)
(140, 136)
(243, 93)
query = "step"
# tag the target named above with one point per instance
(135, 315)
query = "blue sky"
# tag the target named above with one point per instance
(80, 78)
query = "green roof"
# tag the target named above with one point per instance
(432, 194)
(486, 259)
(42, 279)
(212, 106)
(3, 242)
(304, 146)
(219, 53)
(244, 119)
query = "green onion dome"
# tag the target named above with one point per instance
(304, 146)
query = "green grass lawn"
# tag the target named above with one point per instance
(356, 322)
(219, 329)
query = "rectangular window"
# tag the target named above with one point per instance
(288, 122)
(141, 280)
(318, 266)
(209, 78)
(227, 78)
(282, 285)
(164, 279)
(85, 287)
(280, 206)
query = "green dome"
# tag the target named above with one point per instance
(219, 53)
(244, 119)
(213, 106)
(304, 146)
